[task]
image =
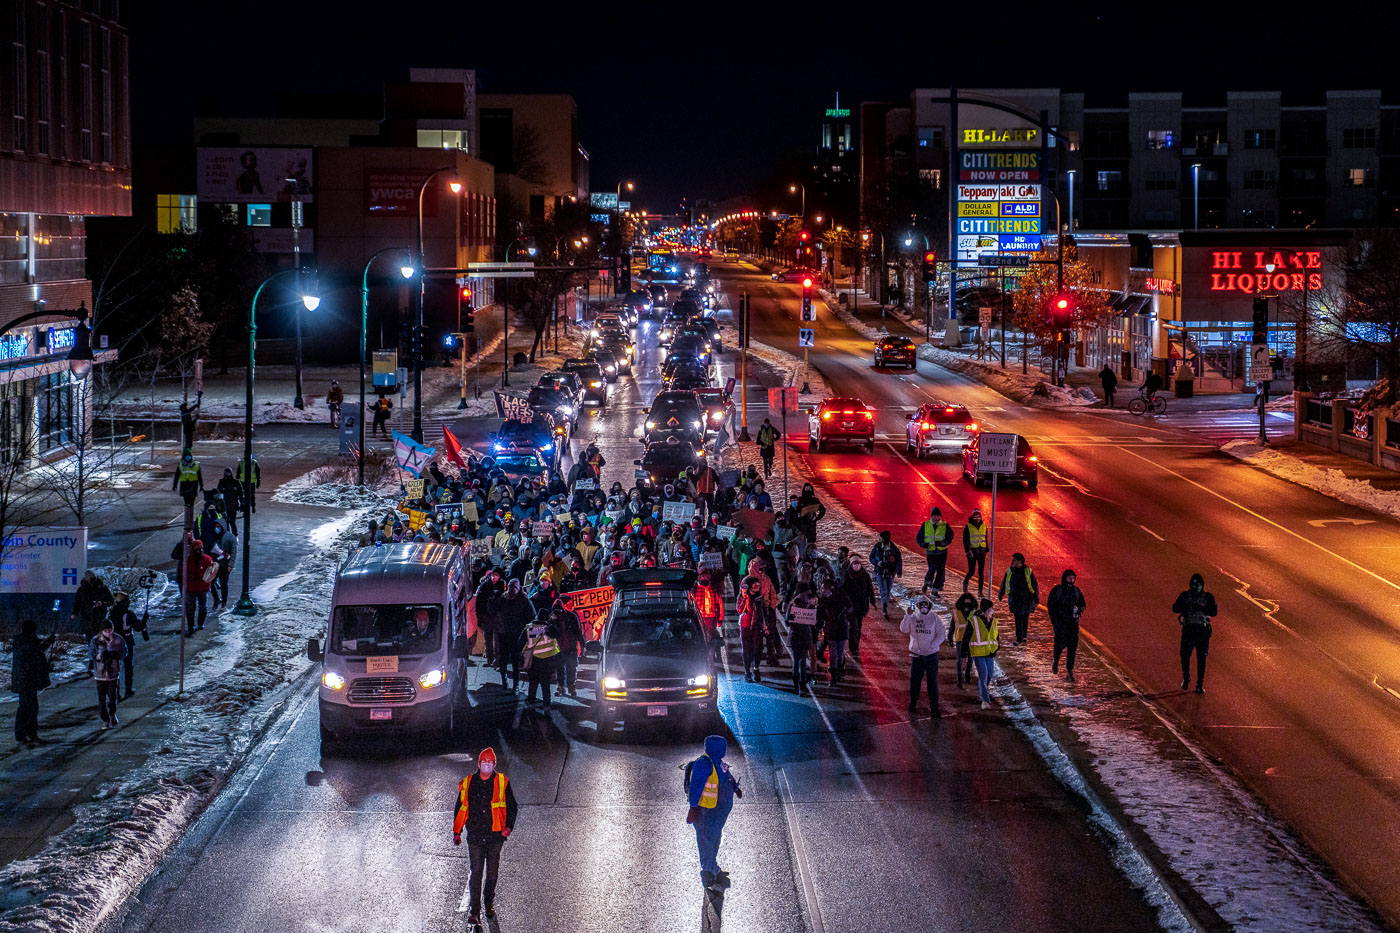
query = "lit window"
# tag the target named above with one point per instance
(1358, 177)
(1259, 139)
(442, 139)
(259, 215)
(930, 137)
(932, 177)
(1109, 180)
(1160, 139)
(175, 213)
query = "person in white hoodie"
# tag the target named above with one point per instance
(926, 632)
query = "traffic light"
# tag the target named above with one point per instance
(930, 266)
(807, 313)
(466, 313)
(418, 340)
(1261, 320)
(804, 236)
(1062, 310)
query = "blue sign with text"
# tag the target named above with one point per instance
(1018, 243)
(1020, 208)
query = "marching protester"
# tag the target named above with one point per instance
(926, 632)
(1020, 584)
(485, 807)
(711, 791)
(975, 544)
(107, 649)
(889, 564)
(934, 536)
(963, 611)
(1066, 605)
(1194, 609)
(29, 674)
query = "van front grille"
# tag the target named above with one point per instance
(381, 690)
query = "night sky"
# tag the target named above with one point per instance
(699, 100)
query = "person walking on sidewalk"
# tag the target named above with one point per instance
(486, 809)
(1110, 384)
(198, 578)
(753, 611)
(801, 638)
(963, 611)
(381, 409)
(1194, 609)
(934, 536)
(1066, 605)
(768, 437)
(860, 590)
(834, 619)
(189, 417)
(107, 650)
(888, 563)
(29, 673)
(981, 640)
(335, 397)
(225, 546)
(975, 542)
(90, 604)
(926, 632)
(1020, 584)
(249, 476)
(711, 790)
(127, 624)
(233, 495)
(189, 480)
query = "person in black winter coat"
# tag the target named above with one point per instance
(1022, 587)
(1066, 605)
(1194, 608)
(860, 590)
(514, 613)
(1110, 384)
(29, 673)
(127, 625)
(570, 640)
(834, 619)
(488, 593)
(232, 492)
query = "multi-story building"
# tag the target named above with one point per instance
(65, 155)
(534, 139)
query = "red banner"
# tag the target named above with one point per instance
(592, 607)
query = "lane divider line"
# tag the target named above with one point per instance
(799, 848)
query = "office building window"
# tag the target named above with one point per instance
(85, 102)
(60, 247)
(1160, 217)
(1109, 180)
(21, 81)
(55, 401)
(1161, 139)
(442, 139)
(14, 248)
(1159, 180)
(11, 421)
(1359, 137)
(106, 102)
(1260, 139)
(1260, 179)
(930, 137)
(932, 177)
(175, 213)
(1358, 178)
(259, 215)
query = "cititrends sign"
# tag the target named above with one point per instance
(42, 560)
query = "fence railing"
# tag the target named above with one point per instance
(1319, 412)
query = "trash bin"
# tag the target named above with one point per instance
(1185, 381)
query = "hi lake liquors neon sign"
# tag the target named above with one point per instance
(1247, 271)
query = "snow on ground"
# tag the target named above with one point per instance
(1335, 483)
(86, 872)
(329, 495)
(790, 367)
(68, 660)
(522, 378)
(264, 412)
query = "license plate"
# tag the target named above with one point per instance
(656, 711)
(381, 715)
(848, 424)
(947, 430)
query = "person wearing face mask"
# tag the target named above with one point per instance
(1066, 605)
(1020, 584)
(982, 642)
(1194, 609)
(485, 807)
(976, 540)
(926, 632)
(860, 590)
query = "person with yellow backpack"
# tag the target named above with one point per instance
(1020, 584)
(963, 611)
(711, 788)
(485, 808)
(981, 640)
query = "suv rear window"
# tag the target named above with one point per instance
(896, 343)
(944, 416)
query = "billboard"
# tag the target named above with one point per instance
(251, 175)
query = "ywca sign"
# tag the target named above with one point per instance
(1248, 272)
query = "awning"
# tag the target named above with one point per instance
(1128, 305)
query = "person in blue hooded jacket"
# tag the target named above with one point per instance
(712, 791)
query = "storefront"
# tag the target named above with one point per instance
(43, 405)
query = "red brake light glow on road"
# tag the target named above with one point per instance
(973, 427)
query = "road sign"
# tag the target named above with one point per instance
(998, 259)
(386, 365)
(1260, 369)
(806, 337)
(783, 398)
(996, 453)
(499, 266)
(984, 316)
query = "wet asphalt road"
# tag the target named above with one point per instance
(1303, 685)
(855, 816)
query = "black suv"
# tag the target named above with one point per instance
(654, 660)
(675, 414)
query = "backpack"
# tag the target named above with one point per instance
(687, 770)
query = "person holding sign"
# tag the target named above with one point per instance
(802, 630)
(925, 630)
(753, 622)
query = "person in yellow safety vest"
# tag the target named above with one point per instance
(981, 640)
(934, 537)
(963, 611)
(189, 480)
(542, 656)
(976, 539)
(1020, 584)
(484, 806)
(250, 480)
(711, 789)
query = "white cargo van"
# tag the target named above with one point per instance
(391, 662)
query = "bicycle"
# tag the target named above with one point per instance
(1144, 404)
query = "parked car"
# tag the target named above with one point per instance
(1027, 465)
(841, 421)
(939, 428)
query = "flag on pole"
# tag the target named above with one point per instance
(412, 456)
(453, 447)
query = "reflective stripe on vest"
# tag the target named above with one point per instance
(498, 802)
(243, 474)
(977, 535)
(545, 648)
(1006, 582)
(709, 798)
(984, 637)
(190, 473)
(935, 533)
(960, 620)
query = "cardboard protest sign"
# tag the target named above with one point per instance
(756, 523)
(677, 511)
(799, 616)
(592, 607)
(726, 532)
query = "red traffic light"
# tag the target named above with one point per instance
(930, 256)
(1062, 303)
(466, 293)
(807, 283)
(804, 236)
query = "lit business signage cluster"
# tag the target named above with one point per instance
(998, 192)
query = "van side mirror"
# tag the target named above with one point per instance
(313, 650)
(636, 463)
(461, 647)
(594, 647)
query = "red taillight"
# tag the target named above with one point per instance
(847, 412)
(1033, 459)
(973, 427)
(826, 416)
(867, 414)
(925, 425)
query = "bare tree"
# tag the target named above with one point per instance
(527, 156)
(1354, 313)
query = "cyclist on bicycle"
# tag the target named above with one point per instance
(335, 397)
(1150, 387)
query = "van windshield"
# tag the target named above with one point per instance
(359, 631)
(655, 636)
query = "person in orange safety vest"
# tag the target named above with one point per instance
(486, 808)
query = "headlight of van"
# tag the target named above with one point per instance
(332, 680)
(701, 681)
(613, 683)
(430, 679)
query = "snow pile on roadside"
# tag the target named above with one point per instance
(1027, 389)
(522, 378)
(85, 873)
(329, 495)
(791, 368)
(221, 410)
(1335, 483)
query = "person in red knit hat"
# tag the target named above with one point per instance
(486, 808)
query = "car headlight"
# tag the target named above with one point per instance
(430, 679)
(698, 424)
(651, 425)
(613, 683)
(612, 369)
(500, 447)
(332, 680)
(593, 332)
(702, 680)
(547, 447)
(567, 409)
(595, 384)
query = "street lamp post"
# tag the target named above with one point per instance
(617, 239)
(1300, 326)
(456, 185)
(928, 314)
(311, 302)
(407, 272)
(1069, 177)
(793, 189)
